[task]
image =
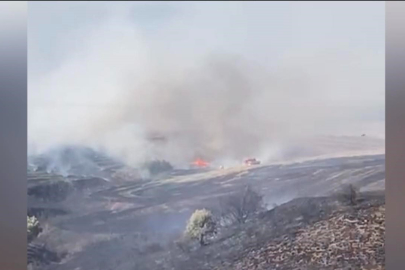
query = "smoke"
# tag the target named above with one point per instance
(115, 87)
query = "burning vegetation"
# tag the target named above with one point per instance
(200, 163)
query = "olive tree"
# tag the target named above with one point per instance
(200, 225)
(33, 228)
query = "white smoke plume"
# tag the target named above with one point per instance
(116, 86)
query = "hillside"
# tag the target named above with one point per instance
(136, 224)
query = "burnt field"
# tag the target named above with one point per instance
(96, 222)
(191, 136)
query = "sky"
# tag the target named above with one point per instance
(248, 28)
(90, 65)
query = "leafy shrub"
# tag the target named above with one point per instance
(200, 225)
(33, 228)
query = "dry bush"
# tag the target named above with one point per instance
(200, 225)
(242, 205)
(158, 166)
(349, 193)
(52, 191)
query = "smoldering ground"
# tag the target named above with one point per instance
(115, 86)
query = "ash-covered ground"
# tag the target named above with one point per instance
(104, 215)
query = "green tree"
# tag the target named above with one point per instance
(33, 228)
(200, 225)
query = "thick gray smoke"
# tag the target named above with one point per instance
(124, 93)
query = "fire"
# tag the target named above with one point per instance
(200, 163)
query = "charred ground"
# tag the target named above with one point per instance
(94, 221)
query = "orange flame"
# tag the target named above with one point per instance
(200, 163)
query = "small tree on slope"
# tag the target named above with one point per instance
(200, 225)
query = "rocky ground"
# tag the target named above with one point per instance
(350, 238)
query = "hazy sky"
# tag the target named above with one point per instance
(263, 31)
(79, 53)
